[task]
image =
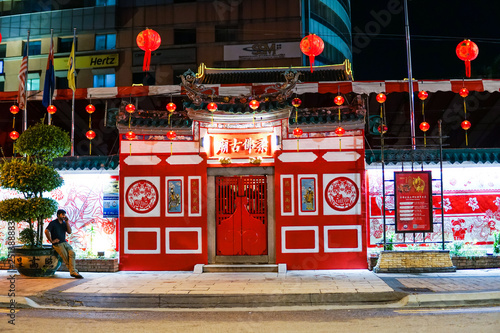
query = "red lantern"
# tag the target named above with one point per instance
(130, 135)
(130, 108)
(464, 92)
(424, 126)
(339, 100)
(381, 98)
(148, 40)
(0, 38)
(14, 109)
(297, 132)
(90, 108)
(467, 51)
(254, 104)
(296, 102)
(212, 107)
(340, 131)
(466, 125)
(422, 95)
(171, 135)
(51, 109)
(90, 134)
(382, 129)
(171, 107)
(311, 45)
(14, 135)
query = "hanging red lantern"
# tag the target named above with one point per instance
(312, 46)
(171, 135)
(148, 40)
(90, 134)
(130, 108)
(340, 131)
(171, 107)
(296, 102)
(254, 104)
(382, 129)
(381, 98)
(422, 95)
(424, 126)
(0, 38)
(467, 51)
(130, 135)
(339, 100)
(90, 108)
(212, 107)
(464, 92)
(466, 125)
(51, 109)
(14, 109)
(297, 132)
(14, 135)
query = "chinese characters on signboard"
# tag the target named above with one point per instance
(413, 199)
(240, 145)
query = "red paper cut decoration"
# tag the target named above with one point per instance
(466, 125)
(381, 98)
(312, 46)
(51, 109)
(339, 100)
(90, 108)
(148, 40)
(130, 135)
(171, 107)
(340, 131)
(14, 135)
(212, 107)
(464, 92)
(254, 104)
(296, 102)
(422, 95)
(90, 134)
(467, 51)
(171, 135)
(14, 109)
(130, 108)
(424, 126)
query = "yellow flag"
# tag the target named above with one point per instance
(71, 69)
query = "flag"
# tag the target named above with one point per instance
(71, 68)
(48, 87)
(21, 95)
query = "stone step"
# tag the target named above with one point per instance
(218, 268)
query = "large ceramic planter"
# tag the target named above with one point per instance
(36, 262)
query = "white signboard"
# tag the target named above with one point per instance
(262, 51)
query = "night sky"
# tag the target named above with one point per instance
(436, 28)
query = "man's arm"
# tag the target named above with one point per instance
(53, 241)
(68, 227)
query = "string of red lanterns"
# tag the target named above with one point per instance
(90, 108)
(381, 98)
(464, 92)
(297, 132)
(424, 126)
(340, 131)
(14, 135)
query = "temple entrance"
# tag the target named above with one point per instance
(241, 216)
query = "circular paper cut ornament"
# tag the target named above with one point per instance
(467, 51)
(381, 98)
(297, 132)
(171, 135)
(130, 108)
(312, 46)
(14, 109)
(339, 100)
(464, 92)
(171, 107)
(130, 135)
(148, 40)
(90, 108)
(424, 126)
(90, 134)
(340, 131)
(14, 135)
(422, 95)
(51, 109)
(466, 125)
(296, 102)
(212, 107)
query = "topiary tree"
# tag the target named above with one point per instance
(32, 175)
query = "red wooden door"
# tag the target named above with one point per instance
(241, 215)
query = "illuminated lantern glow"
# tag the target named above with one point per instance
(212, 107)
(424, 126)
(464, 92)
(148, 40)
(297, 132)
(90, 108)
(422, 95)
(171, 135)
(466, 125)
(14, 135)
(339, 100)
(382, 129)
(0, 38)
(340, 131)
(171, 107)
(130, 135)
(312, 46)
(296, 102)
(254, 104)
(14, 109)
(130, 108)
(90, 134)
(381, 98)
(51, 109)
(467, 51)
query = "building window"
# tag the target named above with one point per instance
(35, 47)
(33, 84)
(104, 80)
(105, 42)
(184, 36)
(226, 33)
(1, 66)
(146, 79)
(64, 45)
(105, 3)
(3, 50)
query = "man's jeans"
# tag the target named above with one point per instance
(67, 254)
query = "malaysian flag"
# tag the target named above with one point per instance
(21, 96)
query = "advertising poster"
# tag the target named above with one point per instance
(110, 199)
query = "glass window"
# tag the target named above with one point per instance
(64, 45)
(104, 80)
(33, 84)
(35, 47)
(105, 42)
(184, 36)
(3, 50)
(105, 2)
(226, 33)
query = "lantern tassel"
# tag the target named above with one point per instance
(340, 144)
(297, 144)
(171, 150)
(90, 148)
(311, 62)
(147, 61)
(466, 141)
(130, 149)
(467, 68)
(425, 140)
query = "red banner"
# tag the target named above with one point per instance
(413, 201)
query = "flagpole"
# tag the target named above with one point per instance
(50, 102)
(73, 102)
(25, 114)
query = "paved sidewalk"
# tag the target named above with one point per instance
(211, 290)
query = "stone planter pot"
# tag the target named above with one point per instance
(36, 262)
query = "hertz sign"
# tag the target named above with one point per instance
(92, 61)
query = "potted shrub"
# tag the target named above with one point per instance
(32, 175)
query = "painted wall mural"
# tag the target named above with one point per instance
(81, 197)
(471, 204)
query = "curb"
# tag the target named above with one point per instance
(452, 299)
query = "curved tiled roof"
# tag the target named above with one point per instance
(110, 162)
(428, 156)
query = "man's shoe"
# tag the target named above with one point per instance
(77, 276)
